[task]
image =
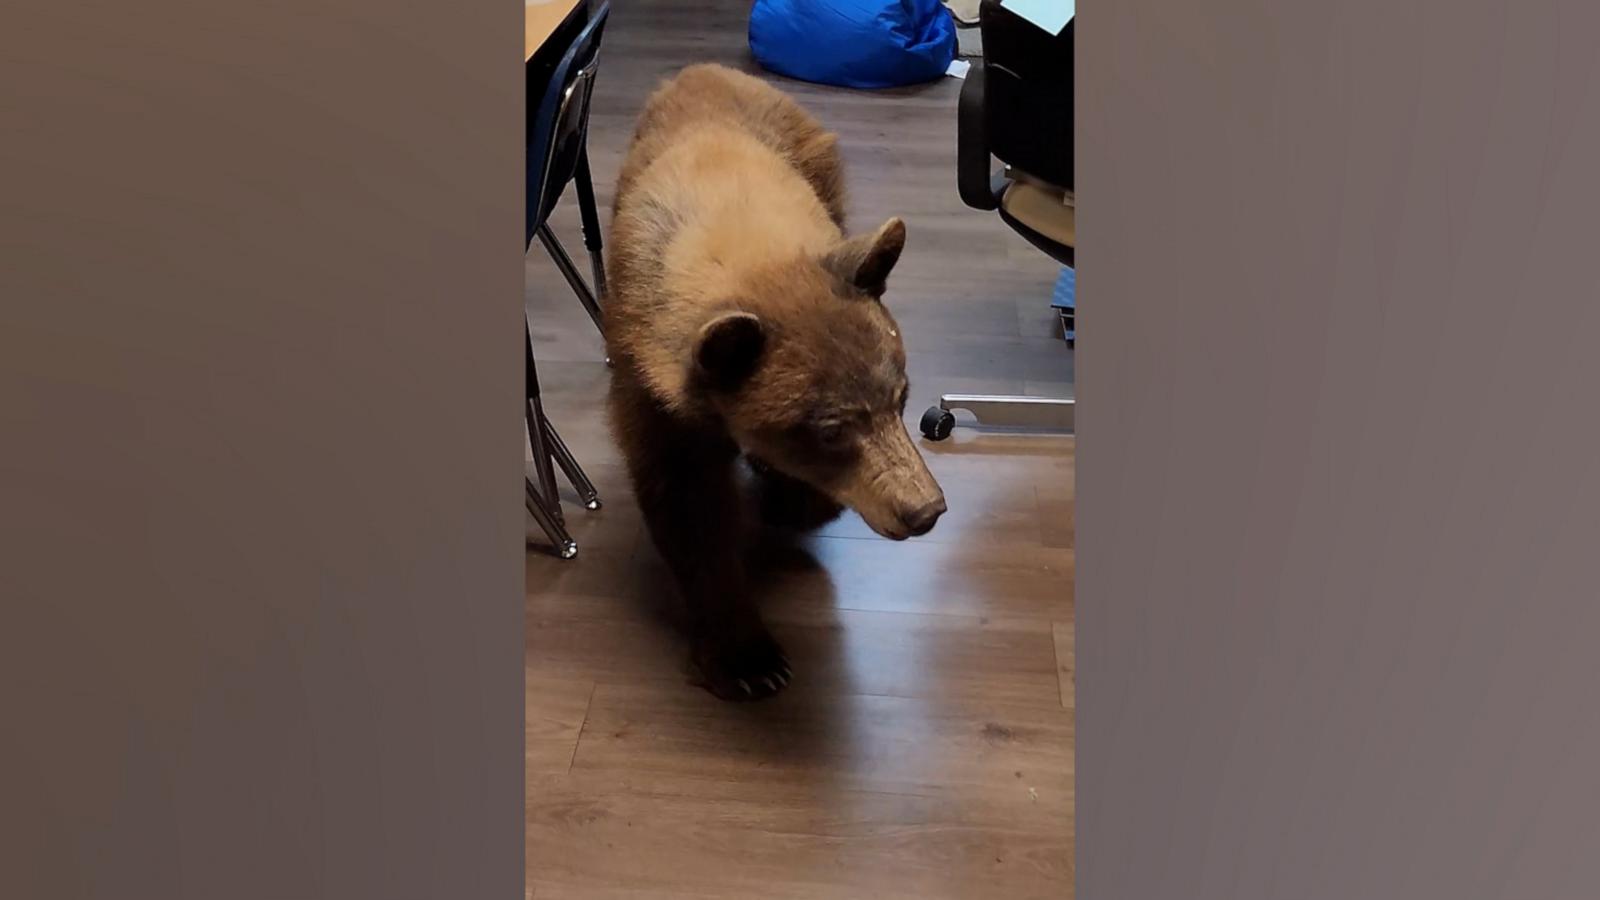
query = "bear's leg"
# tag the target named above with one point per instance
(788, 503)
(693, 511)
(687, 491)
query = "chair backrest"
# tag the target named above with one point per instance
(1028, 85)
(559, 125)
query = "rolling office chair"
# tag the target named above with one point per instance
(557, 154)
(1016, 106)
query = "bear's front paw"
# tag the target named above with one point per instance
(748, 667)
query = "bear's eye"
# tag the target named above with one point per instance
(829, 434)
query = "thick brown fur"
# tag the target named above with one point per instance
(742, 321)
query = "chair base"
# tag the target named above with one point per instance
(569, 271)
(543, 500)
(549, 452)
(554, 529)
(590, 298)
(1024, 413)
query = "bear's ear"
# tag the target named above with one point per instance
(728, 348)
(864, 261)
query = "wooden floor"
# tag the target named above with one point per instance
(925, 748)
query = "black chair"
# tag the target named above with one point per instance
(558, 154)
(1016, 106)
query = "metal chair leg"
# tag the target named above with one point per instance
(537, 436)
(590, 212)
(549, 450)
(565, 546)
(1033, 413)
(569, 466)
(552, 245)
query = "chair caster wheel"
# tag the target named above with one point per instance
(567, 550)
(937, 423)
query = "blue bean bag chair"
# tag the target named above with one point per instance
(853, 43)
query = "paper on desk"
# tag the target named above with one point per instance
(958, 68)
(1051, 15)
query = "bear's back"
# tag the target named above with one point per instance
(706, 95)
(708, 193)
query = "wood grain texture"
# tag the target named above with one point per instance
(539, 20)
(552, 719)
(1067, 663)
(925, 749)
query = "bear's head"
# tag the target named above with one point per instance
(807, 370)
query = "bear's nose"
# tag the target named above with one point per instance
(920, 521)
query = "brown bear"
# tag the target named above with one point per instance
(741, 321)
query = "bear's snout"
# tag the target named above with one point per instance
(921, 520)
(892, 488)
